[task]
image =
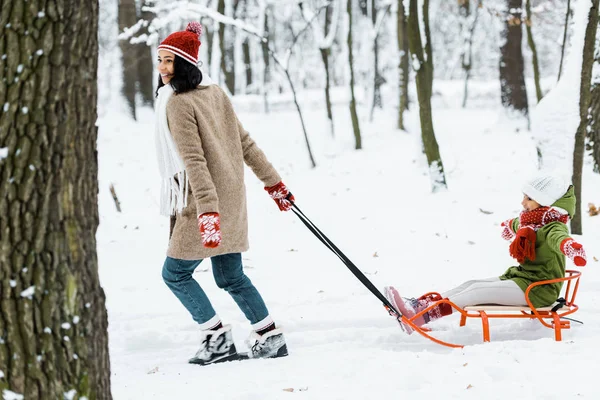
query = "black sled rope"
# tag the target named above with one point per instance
(353, 268)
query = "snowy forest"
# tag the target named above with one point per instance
(405, 127)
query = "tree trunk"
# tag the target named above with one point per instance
(512, 80)
(534, 56)
(594, 133)
(584, 104)
(353, 113)
(564, 41)
(467, 56)
(428, 49)
(53, 320)
(266, 62)
(325, 53)
(403, 65)
(210, 33)
(145, 62)
(423, 78)
(246, 49)
(377, 78)
(227, 44)
(127, 18)
(464, 11)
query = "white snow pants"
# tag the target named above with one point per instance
(487, 291)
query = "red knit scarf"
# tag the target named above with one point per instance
(523, 246)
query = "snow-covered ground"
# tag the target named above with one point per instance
(376, 205)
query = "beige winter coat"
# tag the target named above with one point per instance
(214, 146)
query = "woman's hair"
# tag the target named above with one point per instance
(186, 76)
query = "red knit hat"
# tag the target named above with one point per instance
(185, 44)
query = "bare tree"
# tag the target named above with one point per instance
(584, 104)
(246, 47)
(534, 55)
(377, 17)
(226, 43)
(594, 132)
(145, 72)
(325, 40)
(564, 41)
(469, 19)
(594, 110)
(127, 18)
(53, 320)
(512, 79)
(403, 69)
(424, 78)
(353, 113)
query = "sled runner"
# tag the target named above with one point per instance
(553, 317)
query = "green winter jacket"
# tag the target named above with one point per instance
(549, 261)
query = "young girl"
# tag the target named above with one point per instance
(540, 241)
(202, 147)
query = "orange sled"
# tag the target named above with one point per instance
(551, 317)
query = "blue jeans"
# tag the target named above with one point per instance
(228, 274)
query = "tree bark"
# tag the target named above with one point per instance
(227, 43)
(584, 104)
(424, 76)
(467, 56)
(594, 133)
(428, 49)
(210, 33)
(127, 18)
(353, 113)
(512, 80)
(564, 41)
(534, 55)
(378, 79)
(325, 54)
(266, 61)
(145, 62)
(246, 49)
(403, 64)
(53, 320)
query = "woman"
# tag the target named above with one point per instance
(202, 148)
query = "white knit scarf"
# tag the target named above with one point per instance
(174, 180)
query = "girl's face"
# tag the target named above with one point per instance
(166, 65)
(529, 204)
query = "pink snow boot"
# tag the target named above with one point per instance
(411, 307)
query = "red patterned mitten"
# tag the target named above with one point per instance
(574, 251)
(279, 193)
(210, 229)
(507, 231)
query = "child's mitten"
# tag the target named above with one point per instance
(507, 231)
(574, 251)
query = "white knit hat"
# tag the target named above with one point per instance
(546, 189)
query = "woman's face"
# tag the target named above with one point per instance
(166, 65)
(529, 204)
